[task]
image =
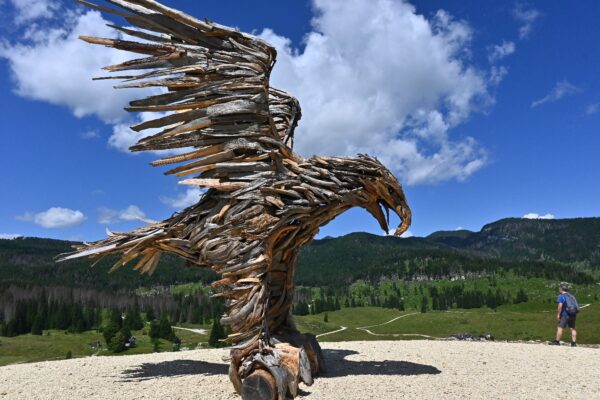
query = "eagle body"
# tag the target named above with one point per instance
(262, 203)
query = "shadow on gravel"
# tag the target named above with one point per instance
(335, 360)
(173, 368)
(337, 365)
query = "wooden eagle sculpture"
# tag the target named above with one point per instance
(263, 201)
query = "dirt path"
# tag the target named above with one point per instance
(420, 369)
(342, 328)
(198, 331)
(365, 329)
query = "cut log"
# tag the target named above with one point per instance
(260, 385)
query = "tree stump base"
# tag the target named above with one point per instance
(274, 372)
(260, 385)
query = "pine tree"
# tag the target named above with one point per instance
(154, 331)
(164, 327)
(116, 318)
(424, 304)
(217, 332)
(150, 315)
(109, 333)
(117, 343)
(36, 328)
(135, 316)
(521, 296)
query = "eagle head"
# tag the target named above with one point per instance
(383, 192)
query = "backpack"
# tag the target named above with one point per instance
(571, 304)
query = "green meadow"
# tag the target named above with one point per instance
(527, 321)
(55, 344)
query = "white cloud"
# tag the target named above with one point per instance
(459, 228)
(497, 74)
(560, 90)
(131, 213)
(592, 109)
(526, 16)
(29, 10)
(376, 77)
(394, 86)
(538, 216)
(499, 51)
(90, 134)
(10, 236)
(123, 137)
(55, 217)
(51, 64)
(183, 200)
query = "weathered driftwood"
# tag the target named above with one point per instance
(263, 202)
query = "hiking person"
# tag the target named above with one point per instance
(566, 314)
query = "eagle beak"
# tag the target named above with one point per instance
(375, 210)
(406, 217)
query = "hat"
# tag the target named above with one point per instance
(564, 285)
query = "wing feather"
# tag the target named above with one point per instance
(217, 90)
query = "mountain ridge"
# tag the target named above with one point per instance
(553, 248)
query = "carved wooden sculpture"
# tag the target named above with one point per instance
(263, 201)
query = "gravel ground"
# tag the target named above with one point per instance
(356, 370)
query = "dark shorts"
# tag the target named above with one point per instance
(567, 320)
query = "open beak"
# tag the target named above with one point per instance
(406, 216)
(376, 210)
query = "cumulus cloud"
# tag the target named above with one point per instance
(123, 137)
(51, 64)
(376, 77)
(538, 216)
(560, 90)
(183, 200)
(29, 10)
(55, 217)
(131, 213)
(10, 236)
(499, 51)
(592, 109)
(526, 16)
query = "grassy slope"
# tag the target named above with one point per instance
(528, 321)
(28, 348)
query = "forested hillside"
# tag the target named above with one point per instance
(567, 249)
(562, 240)
(447, 269)
(31, 261)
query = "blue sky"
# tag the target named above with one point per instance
(484, 112)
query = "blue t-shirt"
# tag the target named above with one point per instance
(562, 299)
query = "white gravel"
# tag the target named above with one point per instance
(356, 370)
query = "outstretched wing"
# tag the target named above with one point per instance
(217, 98)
